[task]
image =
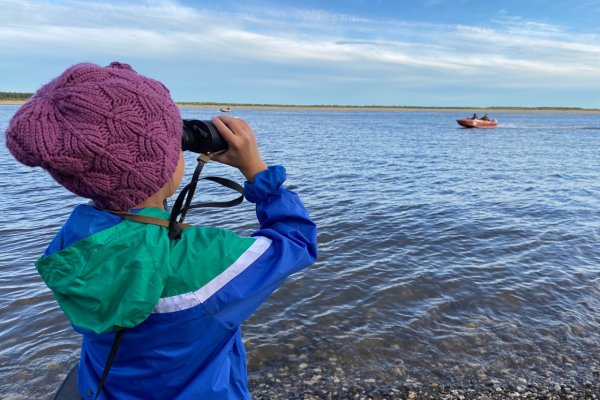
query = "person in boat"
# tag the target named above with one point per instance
(474, 116)
(113, 136)
(485, 118)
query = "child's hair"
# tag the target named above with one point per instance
(105, 133)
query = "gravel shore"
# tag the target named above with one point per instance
(301, 381)
(365, 390)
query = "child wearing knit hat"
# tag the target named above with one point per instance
(113, 136)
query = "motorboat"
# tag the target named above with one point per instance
(477, 123)
(225, 109)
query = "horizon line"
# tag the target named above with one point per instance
(20, 97)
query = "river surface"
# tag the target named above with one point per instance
(445, 254)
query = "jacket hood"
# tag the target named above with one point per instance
(102, 282)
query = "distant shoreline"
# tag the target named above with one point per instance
(467, 110)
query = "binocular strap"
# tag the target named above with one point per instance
(187, 193)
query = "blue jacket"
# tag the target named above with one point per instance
(180, 302)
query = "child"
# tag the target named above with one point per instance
(113, 136)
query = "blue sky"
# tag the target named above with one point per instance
(405, 52)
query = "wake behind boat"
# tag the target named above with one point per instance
(475, 122)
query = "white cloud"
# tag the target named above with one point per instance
(522, 52)
(159, 27)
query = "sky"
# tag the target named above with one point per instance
(470, 53)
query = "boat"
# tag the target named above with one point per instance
(477, 123)
(225, 109)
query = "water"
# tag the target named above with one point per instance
(446, 254)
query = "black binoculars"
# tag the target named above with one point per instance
(201, 137)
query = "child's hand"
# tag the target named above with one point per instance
(243, 151)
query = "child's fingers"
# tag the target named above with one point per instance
(223, 129)
(237, 132)
(238, 126)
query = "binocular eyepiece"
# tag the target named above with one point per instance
(201, 137)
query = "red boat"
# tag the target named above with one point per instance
(477, 123)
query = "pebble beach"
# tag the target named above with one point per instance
(364, 391)
(314, 385)
(310, 377)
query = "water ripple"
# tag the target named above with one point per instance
(444, 253)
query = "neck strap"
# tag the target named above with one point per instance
(184, 200)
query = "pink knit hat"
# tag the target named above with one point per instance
(105, 133)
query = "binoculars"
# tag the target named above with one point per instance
(201, 137)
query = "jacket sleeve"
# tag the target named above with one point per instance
(287, 242)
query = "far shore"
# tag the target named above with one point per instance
(467, 110)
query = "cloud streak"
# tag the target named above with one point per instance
(526, 53)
